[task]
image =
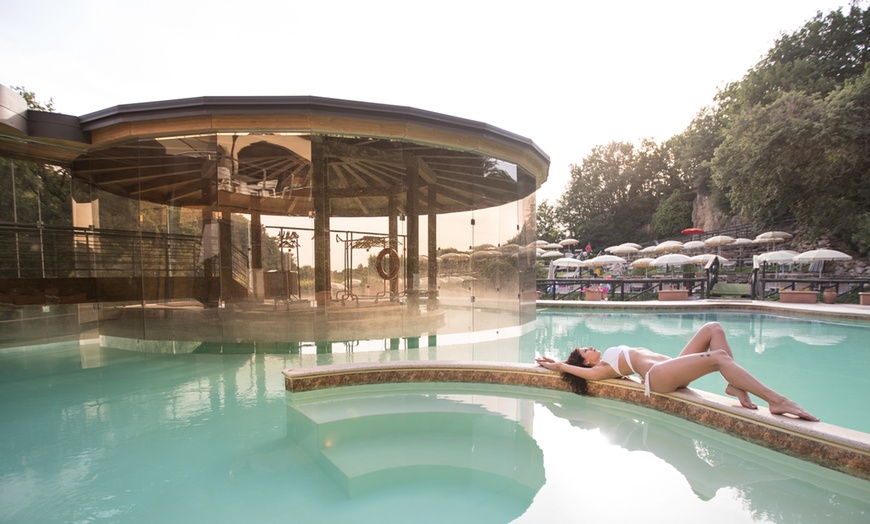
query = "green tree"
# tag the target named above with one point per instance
(613, 194)
(769, 156)
(816, 59)
(547, 223)
(673, 214)
(32, 102)
(693, 151)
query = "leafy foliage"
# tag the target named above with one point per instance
(789, 141)
(32, 102)
(548, 223)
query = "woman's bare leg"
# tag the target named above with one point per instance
(712, 336)
(670, 375)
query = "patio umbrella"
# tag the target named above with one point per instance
(672, 259)
(777, 257)
(568, 262)
(642, 262)
(541, 243)
(569, 242)
(774, 234)
(608, 249)
(694, 244)
(692, 231)
(632, 244)
(772, 237)
(552, 254)
(485, 253)
(649, 249)
(624, 249)
(707, 257)
(669, 245)
(820, 255)
(719, 241)
(604, 260)
(645, 263)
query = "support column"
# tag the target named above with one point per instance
(412, 209)
(225, 239)
(432, 250)
(320, 205)
(393, 237)
(257, 277)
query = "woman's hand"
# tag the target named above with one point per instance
(548, 363)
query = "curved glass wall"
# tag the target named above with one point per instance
(270, 242)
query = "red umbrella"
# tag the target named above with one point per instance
(693, 231)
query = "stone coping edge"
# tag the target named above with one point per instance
(837, 448)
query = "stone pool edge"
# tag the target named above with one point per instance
(833, 447)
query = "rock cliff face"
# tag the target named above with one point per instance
(707, 217)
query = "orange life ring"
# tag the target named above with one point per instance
(394, 263)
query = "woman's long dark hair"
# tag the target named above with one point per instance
(578, 385)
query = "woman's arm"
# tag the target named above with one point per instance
(598, 372)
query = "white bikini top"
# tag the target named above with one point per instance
(611, 356)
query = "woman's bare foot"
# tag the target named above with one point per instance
(790, 408)
(741, 395)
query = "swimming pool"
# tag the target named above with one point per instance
(95, 432)
(100, 434)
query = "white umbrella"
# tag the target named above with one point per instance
(541, 242)
(604, 260)
(649, 249)
(778, 257)
(820, 255)
(485, 253)
(552, 254)
(632, 244)
(569, 242)
(694, 244)
(769, 235)
(742, 241)
(623, 249)
(719, 241)
(568, 262)
(645, 263)
(669, 245)
(642, 262)
(553, 245)
(672, 259)
(608, 249)
(707, 257)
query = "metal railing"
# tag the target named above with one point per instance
(33, 251)
(619, 288)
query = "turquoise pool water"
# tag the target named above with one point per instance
(95, 433)
(819, 363)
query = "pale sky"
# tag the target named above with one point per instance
(569, 75)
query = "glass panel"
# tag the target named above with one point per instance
(210, 239)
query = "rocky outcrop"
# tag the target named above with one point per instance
(706, 216)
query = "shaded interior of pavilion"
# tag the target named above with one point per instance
(314, 179)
